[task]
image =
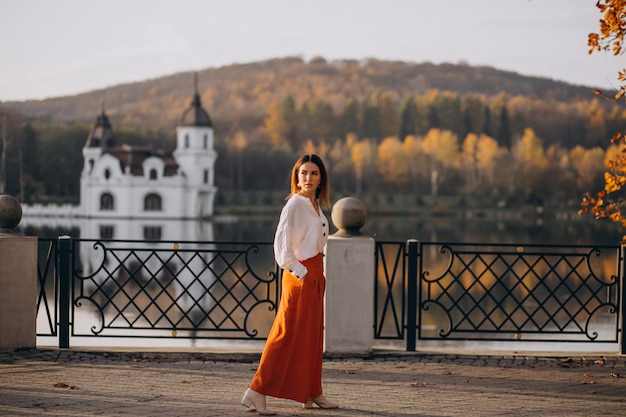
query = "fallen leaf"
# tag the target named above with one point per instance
(346, 371)
(418, 384)
(64, 385)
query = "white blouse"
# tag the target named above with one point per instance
(301, 234)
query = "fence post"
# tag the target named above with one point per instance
(350, 264)
(18, 280)
(63, 265)
(411, 305)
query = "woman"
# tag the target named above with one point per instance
(291, 363)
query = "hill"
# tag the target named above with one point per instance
(240, 94)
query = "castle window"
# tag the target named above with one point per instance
(186, 140)
(106, 231)
(152, 232)
(91, 162)
(206, 176)
(107, 202)
(153, 174)
(152, 202)
(206, 141)
(107, 174)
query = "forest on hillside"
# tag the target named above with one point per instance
(387, 129)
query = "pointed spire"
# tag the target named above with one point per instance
(195, 115)
(101, 135)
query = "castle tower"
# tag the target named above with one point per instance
(196, 157)
(100, 139)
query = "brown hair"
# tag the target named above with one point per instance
(322, 193)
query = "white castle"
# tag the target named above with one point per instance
(139, 182)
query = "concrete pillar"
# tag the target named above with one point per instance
(349, 267)
(18, 280)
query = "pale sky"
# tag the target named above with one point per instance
(51, 48)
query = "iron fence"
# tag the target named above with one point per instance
(423, 291)
(498, 292)
(139, 289)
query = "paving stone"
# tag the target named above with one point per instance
(49, 382)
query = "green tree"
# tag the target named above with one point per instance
(62, 160)
(371, 118)
(408, 117)
(504, 128)
(388, 115)
(350, 121)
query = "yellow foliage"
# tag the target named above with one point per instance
(391, 161)
(607, 204)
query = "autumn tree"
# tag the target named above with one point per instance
(412, 147)
(588, 165)
(442, 150)
(609, 202)
(275, 126)
(469, 161)
(488, 154)
(361, 156)
(531, 160)
(391, 161)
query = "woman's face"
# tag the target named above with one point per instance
(309, 178)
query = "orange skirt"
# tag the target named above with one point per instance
(291, 363)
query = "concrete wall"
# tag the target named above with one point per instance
(18, 292)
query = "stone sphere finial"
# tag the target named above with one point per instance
(349, 215)
(10, 214)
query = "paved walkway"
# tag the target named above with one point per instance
(54, 382)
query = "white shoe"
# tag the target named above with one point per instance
(321, 402)
(256, 400)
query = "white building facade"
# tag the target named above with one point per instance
(138, 182)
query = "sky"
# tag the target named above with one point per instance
(52, 48)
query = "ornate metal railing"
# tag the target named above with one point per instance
(47, 300)
(423, 291)
(390, 290)
(211, 290)
(498, 292)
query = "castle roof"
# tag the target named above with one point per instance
(195, 115)
(133, 157)
(101, 134)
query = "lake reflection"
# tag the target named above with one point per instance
(515, 229)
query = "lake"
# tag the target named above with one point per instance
(510, 228)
